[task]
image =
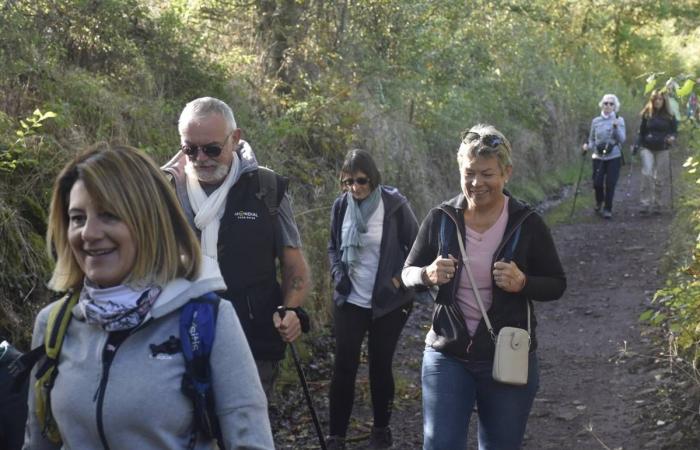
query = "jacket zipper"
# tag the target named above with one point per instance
(108, 353)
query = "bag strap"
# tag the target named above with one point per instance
(465, 258)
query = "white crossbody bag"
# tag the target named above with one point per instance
(510, 360)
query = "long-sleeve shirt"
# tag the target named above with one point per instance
(603, 131)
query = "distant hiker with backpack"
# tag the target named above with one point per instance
(657, 133)
(242, 214)
(605, 141)
(139, 354)
(372, 230)
(486, 256)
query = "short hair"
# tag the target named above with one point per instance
(360, 160)
(127, 183)
(610, 97)
(202, 107)
(479, 141)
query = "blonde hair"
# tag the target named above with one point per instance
(477, 142)
(127, 183)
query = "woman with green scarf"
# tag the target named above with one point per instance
(372, 231)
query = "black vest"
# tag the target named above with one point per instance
(247, 253)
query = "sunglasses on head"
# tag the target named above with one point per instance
(211, 150)
(347, 182)
(488, 140)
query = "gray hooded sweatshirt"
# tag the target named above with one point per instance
(143, 406)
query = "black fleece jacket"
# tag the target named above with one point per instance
(654, 130)
(535, 255)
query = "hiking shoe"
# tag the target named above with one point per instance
(607, 214)
(335, 443)
(380, 438)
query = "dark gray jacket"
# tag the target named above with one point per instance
(398, 233)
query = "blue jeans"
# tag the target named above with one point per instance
(451, 388)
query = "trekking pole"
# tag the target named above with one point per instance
(629, 175)
(321, 440)
(670, 180)
(578, 182)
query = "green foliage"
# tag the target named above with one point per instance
(17, 156)
(678, 303)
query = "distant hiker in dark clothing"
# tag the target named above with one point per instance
(227, 198)
(657, 133)
(372, 231)
(605, 140)
(513, 261)
(132, 269)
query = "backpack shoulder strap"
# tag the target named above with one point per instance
(446, 231)
(272, 188)
(56, 327)
(510, 250)
(197, 333)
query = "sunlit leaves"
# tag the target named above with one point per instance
(686, 89)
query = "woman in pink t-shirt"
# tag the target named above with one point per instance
(513, 260)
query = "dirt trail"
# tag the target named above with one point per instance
(593, 394)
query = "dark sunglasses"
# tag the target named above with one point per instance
(211, 150)
(609, 103)
(359, 180)
(489, 140)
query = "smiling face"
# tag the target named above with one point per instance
(210, 130)
(101, 243)
(482, 181)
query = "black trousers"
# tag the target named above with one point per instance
(605, 176)
(351, 324)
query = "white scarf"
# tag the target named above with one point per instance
(209, 210)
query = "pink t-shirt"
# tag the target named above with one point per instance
(480, 248)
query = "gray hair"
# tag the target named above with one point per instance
(610, 97)
(474, 145)
(204, 106)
